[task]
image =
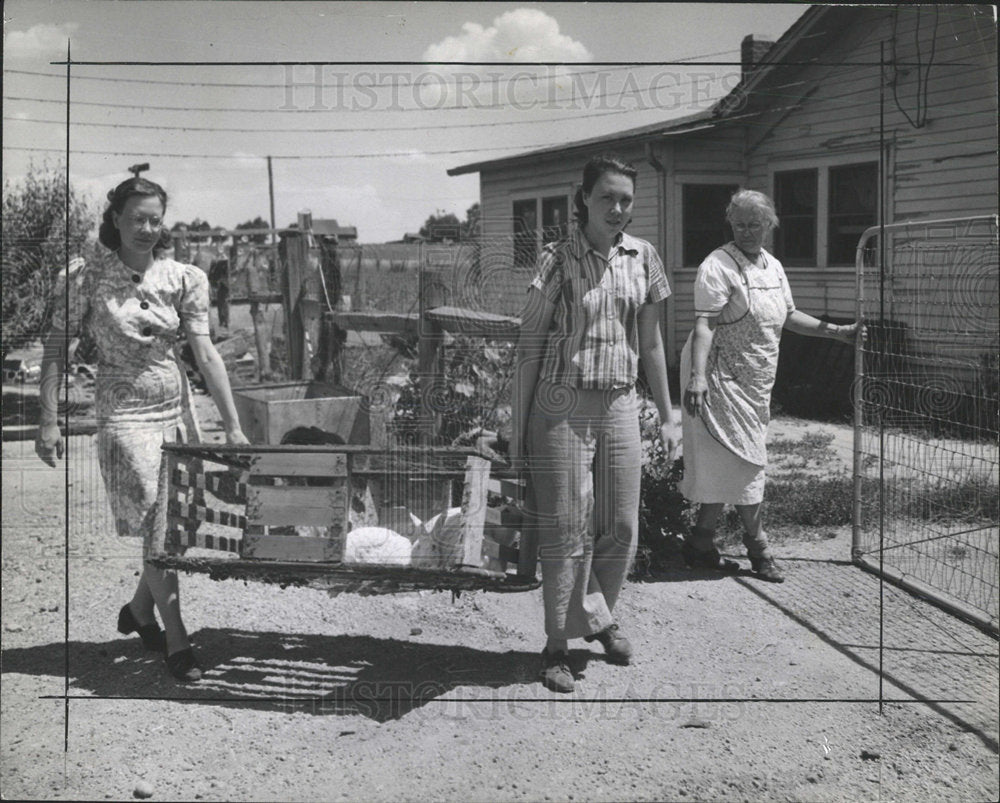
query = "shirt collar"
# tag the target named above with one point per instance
(579, 245)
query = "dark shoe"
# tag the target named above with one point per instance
(616, 647)
(556, 674)
(184, 666)
(766, 569)
(151, 635)
(711, 559)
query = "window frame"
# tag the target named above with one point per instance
(538, 196)
(683, 183)
(785, 260)
(823, 164)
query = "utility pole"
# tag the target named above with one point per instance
(135, 170)
(270, 192)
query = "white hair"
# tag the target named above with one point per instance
(756, 201)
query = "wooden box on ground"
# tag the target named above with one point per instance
(286, 513)
(269, 412)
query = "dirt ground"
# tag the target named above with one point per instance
(740, 690)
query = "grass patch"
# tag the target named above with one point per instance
(811, 446)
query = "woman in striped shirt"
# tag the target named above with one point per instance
(592, 312)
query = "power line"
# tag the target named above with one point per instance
(320, 156)
(324, 130)
(318, 106)
(332, 85)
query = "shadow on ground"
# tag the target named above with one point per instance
(381, 679)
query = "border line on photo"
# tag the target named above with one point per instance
(880, 699)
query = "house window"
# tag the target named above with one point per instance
(853, 206)
(703, 207)
(555, 215)
(795, 200)
(525, 233)
(538, 221)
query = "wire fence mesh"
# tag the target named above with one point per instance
(927, 458)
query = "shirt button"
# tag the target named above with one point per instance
(144, 305)
(147, 331)
(136, 278)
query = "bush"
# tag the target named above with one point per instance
(664, 514)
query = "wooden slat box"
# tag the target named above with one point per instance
(269, 412)
(283, 514)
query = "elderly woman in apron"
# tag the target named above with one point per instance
(742, 302)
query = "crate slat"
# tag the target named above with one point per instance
(208, 482)
(293, 548)
(477, 474)
(317, 507)
(299, 464)
(190, 513)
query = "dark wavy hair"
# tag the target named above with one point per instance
(596, 167)
(108, 234)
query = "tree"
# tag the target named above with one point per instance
(257, 223)
(441, 226)
(34, 248)
(471, 225)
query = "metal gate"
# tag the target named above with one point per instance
(926, 412)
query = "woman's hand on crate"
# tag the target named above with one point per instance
(235, 437)
(49, 443)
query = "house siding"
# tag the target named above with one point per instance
(945, 169)
(821, 115)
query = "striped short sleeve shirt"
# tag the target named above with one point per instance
(593, 341)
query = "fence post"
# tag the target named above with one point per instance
(331, 337)
(296, 244)
(430, 360)
(257, 287)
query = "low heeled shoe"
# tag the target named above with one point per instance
(183, 665)
(767, 569)
(555, 673)
(151, 635)
(617, 648)
(707, 559)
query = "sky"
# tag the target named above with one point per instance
(368, 144)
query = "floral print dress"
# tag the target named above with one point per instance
(134, 319)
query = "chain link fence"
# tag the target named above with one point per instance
(926, 510)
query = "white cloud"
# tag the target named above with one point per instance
(525, 34)
(38, 40)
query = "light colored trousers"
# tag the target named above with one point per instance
(586, 467)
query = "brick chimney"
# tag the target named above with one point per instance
(752, 50)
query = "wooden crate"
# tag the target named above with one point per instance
(269, 412)
(283, 514)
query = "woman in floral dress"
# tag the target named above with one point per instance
(133, 303)
(742, 303)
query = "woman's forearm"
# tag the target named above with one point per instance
(526, 371)
(213, 370)
(701, 344)
(654, 362)
(53, 367)
(531, 341)
(802, 323)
